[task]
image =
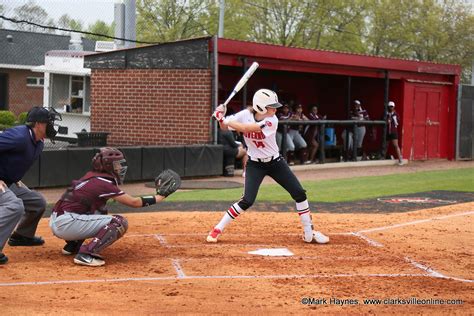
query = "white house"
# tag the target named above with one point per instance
(67, 88)
(67, 85)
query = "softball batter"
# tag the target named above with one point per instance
(259, 126)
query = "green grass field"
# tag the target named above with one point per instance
(349, 189)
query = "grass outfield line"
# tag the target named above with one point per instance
(352, 189)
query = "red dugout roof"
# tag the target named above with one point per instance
(309, 60)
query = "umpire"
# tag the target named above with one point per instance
(20, 147)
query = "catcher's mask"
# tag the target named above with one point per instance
(112, 161)
(44, 115)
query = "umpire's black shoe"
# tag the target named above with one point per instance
(72, 247)
(3, 258)
(18, 240)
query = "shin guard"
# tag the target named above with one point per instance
(106, 236)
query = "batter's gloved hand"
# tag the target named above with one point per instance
(222, 108)
(167, 182)
(218, 115)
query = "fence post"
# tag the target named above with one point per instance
(354, 142)
(283, 141)
(322, 140)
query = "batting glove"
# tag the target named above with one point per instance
(218, 115)
(222, 108)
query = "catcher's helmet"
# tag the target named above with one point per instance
(263, 98)
(110, 160)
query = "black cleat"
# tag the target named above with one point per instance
(18, 240)
(3, 258)
(72, 247)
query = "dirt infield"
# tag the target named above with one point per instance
(163, 265)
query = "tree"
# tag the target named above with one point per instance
(170, 20)
(447, 35)
(66, 22)
(431, 30)
(32, 13)
(326, 24)
(336, 25)
(237, 21)
(100, 27)
(278, 21)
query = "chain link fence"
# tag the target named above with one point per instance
(41, 55)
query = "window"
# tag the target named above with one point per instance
(77, 94)
(59, 90)
(34, 82)
(70, 93)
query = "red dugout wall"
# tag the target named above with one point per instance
(424, 92)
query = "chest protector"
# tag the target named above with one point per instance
(69, 195)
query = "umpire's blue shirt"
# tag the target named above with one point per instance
(18, 151)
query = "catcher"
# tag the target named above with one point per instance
(80, 212)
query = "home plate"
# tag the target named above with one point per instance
(273, 252)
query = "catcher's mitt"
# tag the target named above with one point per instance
(167, 182)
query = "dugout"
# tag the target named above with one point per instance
(164, 94)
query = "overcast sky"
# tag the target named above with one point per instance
(88, 11)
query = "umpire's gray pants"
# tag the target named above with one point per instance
(22, 206)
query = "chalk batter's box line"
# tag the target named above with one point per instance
(430, 271)
(381, 228)
(359, 234)
(181, 275)
(215, 277)
(227, 234)
(294, 258)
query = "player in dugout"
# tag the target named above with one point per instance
(81, 214)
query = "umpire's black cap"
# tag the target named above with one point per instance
(38, 114)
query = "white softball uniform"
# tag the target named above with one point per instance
(262, 144)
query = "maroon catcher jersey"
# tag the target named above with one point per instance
(88, 194)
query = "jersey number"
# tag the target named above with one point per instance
(259, 144)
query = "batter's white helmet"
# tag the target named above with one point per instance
(391, 104)
(263, 98)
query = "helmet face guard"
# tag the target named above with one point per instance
(53, 116)
(110, 160)
(120, 169)
(50, 131)
(39, 114)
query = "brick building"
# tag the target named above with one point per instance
(154, 95)
(164, 94)
(20, 52)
